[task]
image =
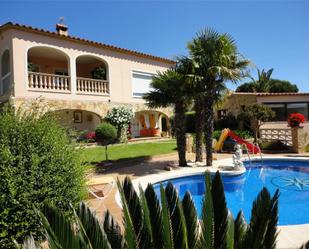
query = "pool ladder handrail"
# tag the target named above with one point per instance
(248, 154)
(260, 152)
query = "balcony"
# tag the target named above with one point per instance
(51, 70)
(92, 86)
(48, 82)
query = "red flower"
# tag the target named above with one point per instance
(90, 135)
(295, 119)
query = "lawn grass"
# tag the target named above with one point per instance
(127, 151)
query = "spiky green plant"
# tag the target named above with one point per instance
(166, 222)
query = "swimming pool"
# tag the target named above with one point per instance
(290, 176)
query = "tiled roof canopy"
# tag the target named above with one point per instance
(84, 41)
(272, 94)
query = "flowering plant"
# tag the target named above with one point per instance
(295, 119)
(120, 116)
(90, 135)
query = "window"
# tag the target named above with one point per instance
(5, 72)
(280, 111)
(283, 110)
(141, 83)
(298, 107)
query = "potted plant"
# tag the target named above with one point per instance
(295, 119)
(99, 73)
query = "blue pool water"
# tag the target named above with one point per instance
(290, 177)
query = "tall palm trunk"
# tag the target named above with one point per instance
(199, 128)
(180, 130)
(209, 126)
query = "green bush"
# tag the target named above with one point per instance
(106, 134)
(38, 164)
(274, 146)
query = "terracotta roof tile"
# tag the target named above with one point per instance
(272, 94)
(81, 40)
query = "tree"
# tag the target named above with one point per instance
(262, 84)
(216, 60)
(171, 88)
(38, 164)
(247, 87)
(106, 134)
(167, 221)
(266, 84)
(282, 86)
(257, 114)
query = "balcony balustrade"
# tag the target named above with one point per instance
(92, 86)
(49, 82)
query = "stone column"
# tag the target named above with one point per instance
(72, 67)
(299, 138)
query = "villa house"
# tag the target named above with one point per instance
(79, 79)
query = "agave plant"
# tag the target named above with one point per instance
(165, 222)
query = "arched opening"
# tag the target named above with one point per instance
(79, 120)
(150, 123)
(48, 69)
(92, 75)
(5, 72)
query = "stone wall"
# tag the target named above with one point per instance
(98, 107)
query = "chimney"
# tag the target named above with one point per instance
(61, 28)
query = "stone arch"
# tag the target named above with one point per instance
(5, 76)
(87, 63)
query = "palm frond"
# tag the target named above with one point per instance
(220, 212)
(271, 235)
(177, 217)
(113, 231)
(130, 236)
(168, 242)
(263, 217)
(193, 227)
(155, 214)
(142, 233)
(61, 233)
(208, 214)
(92, 228)
(240, 229)
(230, 232)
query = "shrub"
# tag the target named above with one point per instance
(295, 119)
(242, 133)
(38, 164)
(274, 146)
(106, 134)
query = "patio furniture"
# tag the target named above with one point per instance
(100, 187)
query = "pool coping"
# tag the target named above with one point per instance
(290, 236)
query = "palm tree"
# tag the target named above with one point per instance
(197, 93)
(216, 61)
(171, 88)
(262, 85)
(165, 222)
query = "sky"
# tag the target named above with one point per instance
(272, 34)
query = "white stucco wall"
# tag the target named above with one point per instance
(120, 67)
